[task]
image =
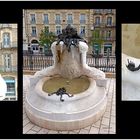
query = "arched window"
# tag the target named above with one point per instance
(10, 82)
(6, 39)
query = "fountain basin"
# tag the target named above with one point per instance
(74, 113)
(72, 86)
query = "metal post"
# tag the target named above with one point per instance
(108, 51)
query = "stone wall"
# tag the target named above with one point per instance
(131, 39)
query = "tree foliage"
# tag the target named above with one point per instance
(97, 38)
(46, 38)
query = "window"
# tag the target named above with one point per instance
(97, 21)
(6, 40)
(109, 21)
(46, 20)
(33, 31)
(33, 21)
(96, 34)
(82, 31)
(107, 47)
(57, 19)
(7, 62)
(58, 30)
(108, 35)
(82, 18)
(69, 20)
(10, 82)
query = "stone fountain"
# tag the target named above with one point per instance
(130, 78)
(3, 88)
(70, 111)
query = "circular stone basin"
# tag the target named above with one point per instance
(73, 86)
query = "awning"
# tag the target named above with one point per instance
(10, 81)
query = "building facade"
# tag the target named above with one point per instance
(85, 20)
(8, 58)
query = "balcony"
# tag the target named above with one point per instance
(109, 38)
(5, 26)
(7, 46)
(97, 24)
(98, 12)
(69, 21)
(12, 69)
(33, 35)
(82, 21)
(46, 22)
(57, 21)
(32, 22)
(110, 25)
(109, 11)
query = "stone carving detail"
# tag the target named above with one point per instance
(70, 37)
(61, 92)
(131, 66)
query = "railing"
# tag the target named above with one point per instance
(40, 61)
(11, 69)
(82, 21)
(69, 21)
(57, 21)
(46, 21)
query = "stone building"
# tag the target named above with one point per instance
(85, 20)
(8, 58)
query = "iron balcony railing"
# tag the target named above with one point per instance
(46, 21)
(57, 21)
(10, 69)
(69, 21)
(83, 21)
(41, 61)
(32, 22)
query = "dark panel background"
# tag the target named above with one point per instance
(127, 113)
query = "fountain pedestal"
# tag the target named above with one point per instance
(74, 113)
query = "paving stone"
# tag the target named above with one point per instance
(113, 119)
(63, 132)
(112, 127)
(107, 114)
(24, 116)
(31, 132)
(26, 121)
(88, 128)
(84, 131)
(97, 124)
(105, 121)
(43, 131)
(104, 129)
(53, 132)
(36, 128)
(94, 130)
(27, 127)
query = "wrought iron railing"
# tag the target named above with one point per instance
(40, 61)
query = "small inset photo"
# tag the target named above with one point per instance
(131, 62)
(8, 62)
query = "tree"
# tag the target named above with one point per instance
(96, 41)
(46, 38)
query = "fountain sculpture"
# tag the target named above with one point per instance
(68, 111)
(3, 88)
(130, 78)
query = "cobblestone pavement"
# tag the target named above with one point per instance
(106, 124)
